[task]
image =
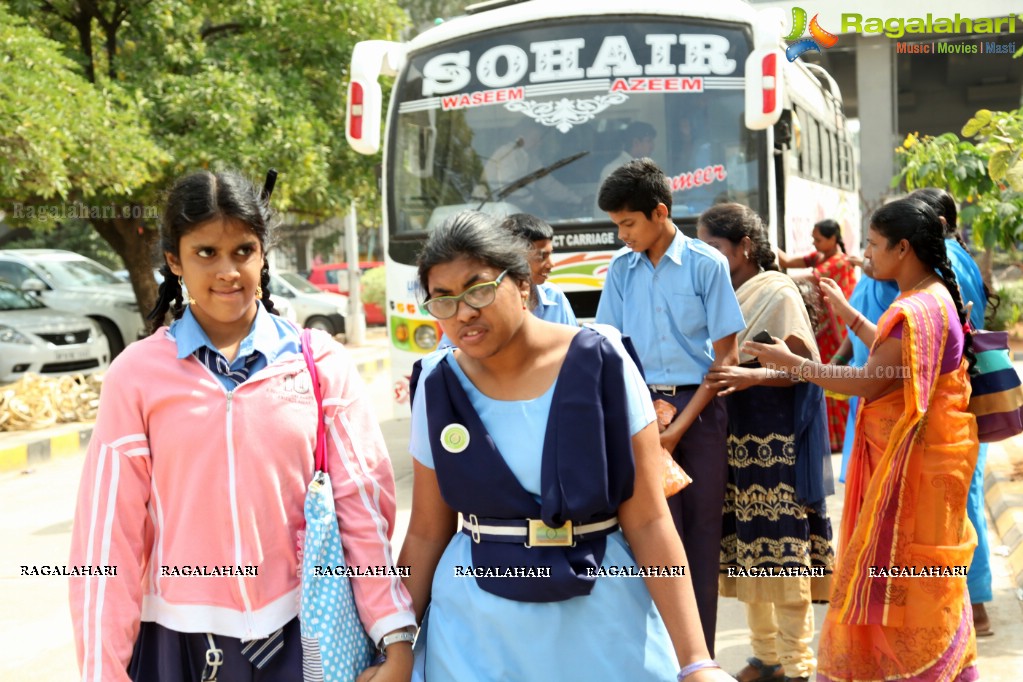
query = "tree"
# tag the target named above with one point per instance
(986, 176)
(424, 13)
(246, 85)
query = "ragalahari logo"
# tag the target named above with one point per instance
(818, 36)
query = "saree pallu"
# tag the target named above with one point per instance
(831, 335)
(905, 510)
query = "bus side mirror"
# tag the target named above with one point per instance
(365, 102)
(765, 88)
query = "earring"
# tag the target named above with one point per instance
(745, 254)
(524, 299)
(259, 292)
(181, 285)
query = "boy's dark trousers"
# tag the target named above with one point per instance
(696, 511)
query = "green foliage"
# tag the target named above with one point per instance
(165, 87)
(59, 134)
(986, 176)
(425, 12)
(1010, 308)
(373, 284)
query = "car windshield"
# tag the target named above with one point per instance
(76, 272)
(299, 282)
(13, 299)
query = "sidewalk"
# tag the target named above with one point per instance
(24, 450)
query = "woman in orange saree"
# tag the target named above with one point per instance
(829, 261)
(899, 607)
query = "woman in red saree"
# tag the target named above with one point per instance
(899, 608)
(829, 261)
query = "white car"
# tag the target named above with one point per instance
(35, 339)
(314, 308)
(76, 284)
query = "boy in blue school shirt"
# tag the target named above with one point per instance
(672, 295)
(552, 304)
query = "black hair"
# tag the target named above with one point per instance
(735, 221)
(637, 130)
(527, 226)
(944, 204)
(198, 198)
(917, 223)
(476, 236)
(638, 185)
(830, 228)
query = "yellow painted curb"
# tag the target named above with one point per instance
(14, 458)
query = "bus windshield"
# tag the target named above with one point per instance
(533, 119)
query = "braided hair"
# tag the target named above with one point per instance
(196, 199)
(735, 221)
(944, 205)
(830, 228)
(917, 223)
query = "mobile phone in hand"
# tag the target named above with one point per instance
(763, 337)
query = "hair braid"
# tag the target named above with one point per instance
(930, 249)
(169, 299)
(264, 284)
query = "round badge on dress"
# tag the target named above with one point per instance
(454, 438)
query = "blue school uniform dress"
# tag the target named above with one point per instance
(553, 305)
(971, 286)
(673, 313)
(570, 626)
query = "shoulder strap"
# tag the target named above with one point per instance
(321, 434)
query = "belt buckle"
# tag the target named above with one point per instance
(474, 528)
(542, 535)
(664, 389)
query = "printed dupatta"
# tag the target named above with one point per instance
(883, 528)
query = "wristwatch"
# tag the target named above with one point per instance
(394, 637)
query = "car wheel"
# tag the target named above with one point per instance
(113, 335)
(320, 322)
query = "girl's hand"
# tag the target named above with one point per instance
(396, 668)
(729, 379)
(834, 296)
(776, 356)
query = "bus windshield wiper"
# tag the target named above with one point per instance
(530, 178)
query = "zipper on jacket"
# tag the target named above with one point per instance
(233, 474)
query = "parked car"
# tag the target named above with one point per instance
(333, 277)
(73, 283)
(34, 338)
(313, 308)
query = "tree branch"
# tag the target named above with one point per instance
(211, 31)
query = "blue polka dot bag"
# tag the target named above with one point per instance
(335, 647)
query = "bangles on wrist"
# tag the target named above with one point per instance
(705, 664)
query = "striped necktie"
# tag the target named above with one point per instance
(218, 364)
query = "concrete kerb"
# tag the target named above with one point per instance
(23, 450)
(1003, 492)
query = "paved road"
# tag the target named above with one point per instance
(35, 520)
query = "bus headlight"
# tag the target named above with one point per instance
(426, 337)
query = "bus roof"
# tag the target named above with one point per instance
(539, 10)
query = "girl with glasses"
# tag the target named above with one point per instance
(537, 498)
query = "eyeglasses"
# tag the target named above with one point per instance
(477, 296)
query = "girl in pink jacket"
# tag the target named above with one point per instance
(191, 500)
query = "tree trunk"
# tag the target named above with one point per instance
(136, 244)
(987, 262)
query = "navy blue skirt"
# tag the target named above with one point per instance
(163, 655)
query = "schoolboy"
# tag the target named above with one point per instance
(673, 297)
(552, 304)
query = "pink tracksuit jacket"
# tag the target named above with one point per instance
(183, 477)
